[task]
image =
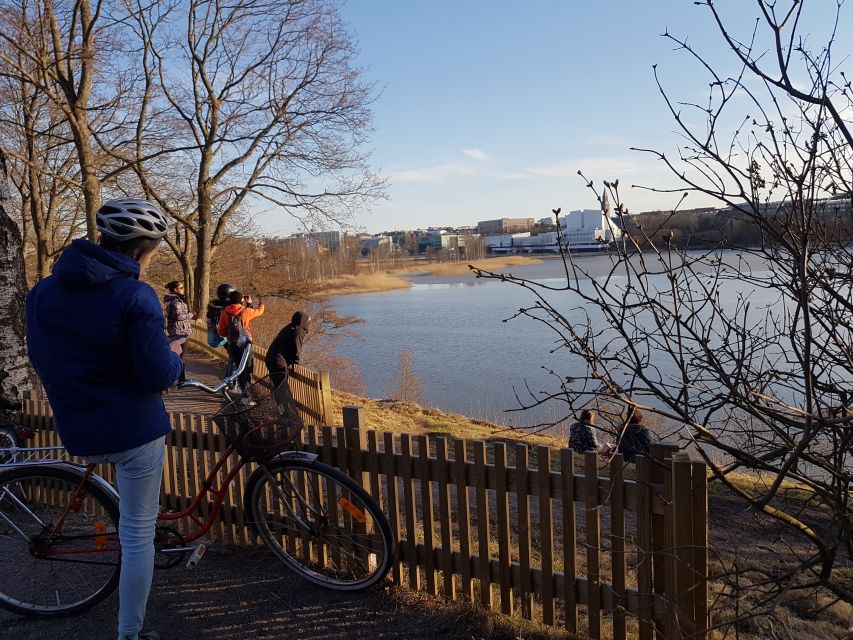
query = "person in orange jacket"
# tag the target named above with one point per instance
(234, 326)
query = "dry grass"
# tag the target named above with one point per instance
(363, 283)
(408, 417)
(479, 623)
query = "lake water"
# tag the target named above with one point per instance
(468, 359)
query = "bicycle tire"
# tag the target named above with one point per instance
(8, 443)
(80, 567)
(350, 551)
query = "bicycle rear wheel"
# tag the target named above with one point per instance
(51, 566)
(7, 445)
(322, 524)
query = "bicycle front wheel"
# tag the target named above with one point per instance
(322, 524)
(59, 549)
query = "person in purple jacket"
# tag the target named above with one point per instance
(95, 337)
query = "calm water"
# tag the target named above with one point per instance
(468, 359)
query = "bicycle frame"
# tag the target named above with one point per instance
(207, 488)
(200, 526)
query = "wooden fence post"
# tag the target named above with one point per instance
(355, 443)
(700, 546)
(689, 506)
(662, 578)
(325, 392)
(682, 533)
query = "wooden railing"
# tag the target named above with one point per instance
(509, 526)
(311, 389)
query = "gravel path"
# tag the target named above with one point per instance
(243, 593)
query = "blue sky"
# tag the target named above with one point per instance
(487, 109)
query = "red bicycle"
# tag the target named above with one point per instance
(59, 549)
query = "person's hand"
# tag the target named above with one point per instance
(175, 346)
(280, 361)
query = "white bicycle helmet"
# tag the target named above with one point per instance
(131, 218)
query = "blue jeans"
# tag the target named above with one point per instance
(138, 475)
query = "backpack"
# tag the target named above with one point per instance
(237, 334)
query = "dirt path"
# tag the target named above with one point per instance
(245, 594)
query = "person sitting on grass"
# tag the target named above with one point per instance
(636, 439)
(582, 435)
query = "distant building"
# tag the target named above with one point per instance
(374, 243)
(540, 243)
(331, 240)
(504, 225)
(504, 242)
(588, 230)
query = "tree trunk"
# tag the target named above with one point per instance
(203, 255)
(91, 184)
(14, 370)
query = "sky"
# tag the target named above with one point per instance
(488, 108)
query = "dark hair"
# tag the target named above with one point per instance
(235, 297)
(586, 414)
(173, 285)
(135, 248)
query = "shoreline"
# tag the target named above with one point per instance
(397, 278)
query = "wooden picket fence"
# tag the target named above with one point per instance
(528, 531)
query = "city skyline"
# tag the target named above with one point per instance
(484, 111)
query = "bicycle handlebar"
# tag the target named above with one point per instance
(225, 383)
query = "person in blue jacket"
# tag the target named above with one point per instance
(95, 337)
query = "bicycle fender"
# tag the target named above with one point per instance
(80, 470)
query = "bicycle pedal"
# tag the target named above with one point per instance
(195, 556)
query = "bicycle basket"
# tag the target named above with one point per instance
(264, 429)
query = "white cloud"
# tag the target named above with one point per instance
(431, 174)
(476, 154)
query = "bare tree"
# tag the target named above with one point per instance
(268, 109)
(13, 287)
(53, 48)
(43, 168)
(407, 385)
(762, 386)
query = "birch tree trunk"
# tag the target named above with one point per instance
(14, 370)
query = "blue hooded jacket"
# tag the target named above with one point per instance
(95, 336)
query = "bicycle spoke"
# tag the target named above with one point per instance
(323, 525)
(55, 560)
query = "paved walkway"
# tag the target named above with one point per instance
(243, 593)
(202, 367)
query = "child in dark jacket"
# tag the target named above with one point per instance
(214, 311)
